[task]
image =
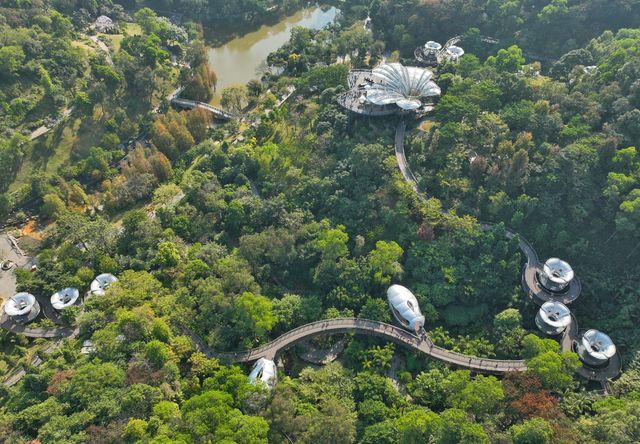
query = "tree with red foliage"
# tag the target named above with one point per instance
(425, 231)
(58, 378)
(526, 397)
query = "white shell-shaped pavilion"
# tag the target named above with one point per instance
(404, 86)
(64, 298)
(101, 282)
(264, 370)
(596, 348)
(22, 306)
(404, 307)
(556, 275)
(553, 318)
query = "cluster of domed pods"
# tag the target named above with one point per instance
(555, 281)
(23, 307)
(433, 53)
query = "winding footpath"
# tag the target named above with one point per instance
(529, 282)
(421, 343)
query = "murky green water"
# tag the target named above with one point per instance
(238, 60)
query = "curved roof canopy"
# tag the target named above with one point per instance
(455, 52)
(433, 46)
(101, 282)
(599, 345)
(20, 304)
(555, 314)
(406, 306)
(558, 271)
(64, 298)
(264, 370)
(401, 85)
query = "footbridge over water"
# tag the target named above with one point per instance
(218, 113)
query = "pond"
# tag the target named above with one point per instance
(238, 60)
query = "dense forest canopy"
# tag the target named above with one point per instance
(226, 235)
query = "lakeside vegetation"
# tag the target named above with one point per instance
(239, 232)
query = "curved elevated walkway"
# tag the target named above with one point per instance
(530, 284)
(375, 328)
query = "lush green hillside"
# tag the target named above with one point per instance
(225, 237)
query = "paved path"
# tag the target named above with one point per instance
(402, 159)
(10, 250)
(37, 332)
(40, 131)
(356, 325)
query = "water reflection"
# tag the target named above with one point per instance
(238, 60)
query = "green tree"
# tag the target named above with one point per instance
(418, 426)
(12, 59)
(157, 353)
(254, 315)
(532, 431)
(135, 430)
(555, 368)
(507, 60)
(482, 396)
(508, 330)
(52, 206)
(90, 382)
(167, 255)
(333, 423)
(456, 428)
(384, 262)
(234, 98)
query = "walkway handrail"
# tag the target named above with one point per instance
(197, 104)
(396, 334)
(571, 332)
(409, 177)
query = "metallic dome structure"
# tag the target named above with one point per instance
(432, 46)
(454, 52)
(264, 371)
(64, 298)
(22, 307)
(596, 348)
(556, 275)
(404, 307)
(553, 318)
(433, 53)
(101, 282)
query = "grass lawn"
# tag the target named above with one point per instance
(116, 39)
(54, 149)
(84, 45)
